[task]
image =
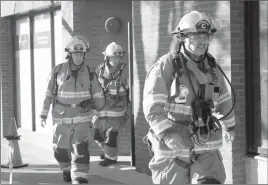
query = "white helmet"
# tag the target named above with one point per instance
(195, 22)
(114, 49)
(78, 44)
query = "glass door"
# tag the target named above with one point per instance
(23, 74)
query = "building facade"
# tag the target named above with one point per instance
(31, 30)
(33, 36)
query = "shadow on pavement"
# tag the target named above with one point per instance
(46, 175)
(32, 178)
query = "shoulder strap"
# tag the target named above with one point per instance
(211, 61)
(122, 66)
(90, 74)
(177, 66)
(55, 84)
(57, 71)
(91, 77)
(212, 64)
(101, 71)
(185, 68)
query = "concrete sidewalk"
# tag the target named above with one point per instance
(36, 150)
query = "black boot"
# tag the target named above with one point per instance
(107, 162)
(102, 156)
(80, 180)
(67, 176)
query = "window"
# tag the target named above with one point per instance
(58, 34)
(23, 73)
(38, 49)
(257, 76)
(42, 59)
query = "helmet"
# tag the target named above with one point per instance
(78, 44)
(195, 22)
(114, 49)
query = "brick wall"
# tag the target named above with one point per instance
(89, 19)
(6, 72)
(237, 60)
(153, 21)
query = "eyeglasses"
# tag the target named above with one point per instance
(198, 38)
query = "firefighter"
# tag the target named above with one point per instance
(113, 78)
(76, 96)
(188, 106)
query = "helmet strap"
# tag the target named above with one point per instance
(106, 59)
(180, 44)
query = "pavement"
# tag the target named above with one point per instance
(36, 151)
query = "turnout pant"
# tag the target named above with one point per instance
(106, 134)
(71, 147)
(206, 169)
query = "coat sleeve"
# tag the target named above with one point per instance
(98, 97)
(156, 93)
(97, 71)
(224, 105)
(125, 80)
(48, 98)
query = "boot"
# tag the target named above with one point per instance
(67, 176)
(80, 180)
(102, 156)
(107, 162)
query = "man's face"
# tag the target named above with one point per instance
(115, 60)
(197, 43)
(78, 58)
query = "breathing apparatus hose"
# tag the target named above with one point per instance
(232, 91)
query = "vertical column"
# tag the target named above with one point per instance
(67, 22)
(6, 71)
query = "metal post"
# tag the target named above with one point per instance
(131, 117)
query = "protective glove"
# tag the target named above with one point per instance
(43, 122)
(172, 139)
(229, 136)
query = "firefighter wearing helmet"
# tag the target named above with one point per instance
(113, 77)
(76, 97)
(187, 105)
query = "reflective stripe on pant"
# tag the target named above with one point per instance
(106, 132)
(205, 168)
(71, 146)
(61, 146)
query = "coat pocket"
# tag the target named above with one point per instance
(58, 111)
